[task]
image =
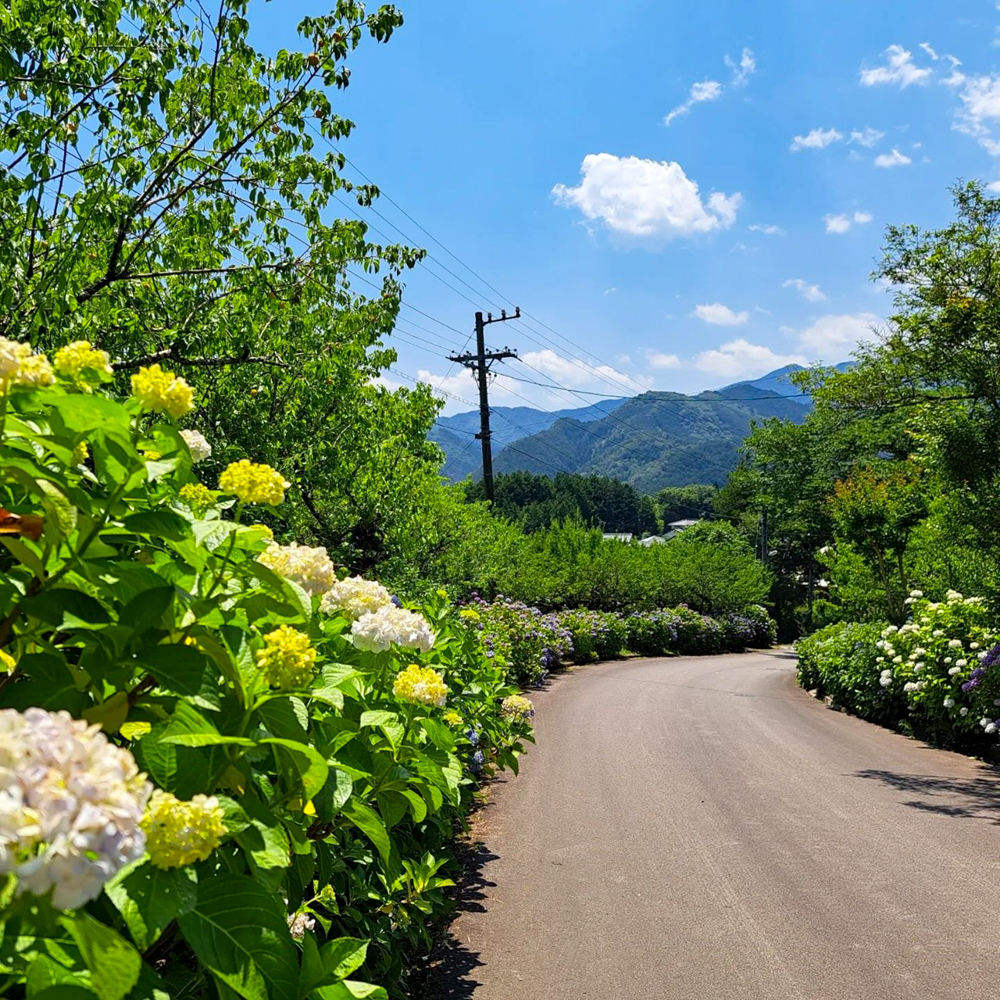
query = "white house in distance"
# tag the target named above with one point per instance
(674, 528)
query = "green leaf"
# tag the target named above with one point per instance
(350, 990)
(113, 963)
(239, 932)
(149, 898)
(24, 555)
(330, 799)
(208, 740)
(388, 722)
(159, 523)
(368, 822)
(67, 609)
(264, 838)
(145, 610)
(48, 980)
(307, 766)
(184, 670)
(343, 955)
(46, 682)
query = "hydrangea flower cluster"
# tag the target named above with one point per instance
(517, 708)
(197, 496)
(19, 365)
(82, 364)
(299, 923)
(179, 833)
(287, 660)
(421, 685)
(197, 444)
(71, 806)
(355, 597)
(378, 630)
(253, 482)
(310, 568)
(162, 392)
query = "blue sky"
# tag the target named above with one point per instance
(680, 195)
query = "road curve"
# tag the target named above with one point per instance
(700, 829)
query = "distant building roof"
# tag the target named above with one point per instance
(686, 523)
(618, 536)
(652, 540)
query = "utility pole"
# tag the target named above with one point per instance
(479, 363)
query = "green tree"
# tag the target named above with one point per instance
(169, 193)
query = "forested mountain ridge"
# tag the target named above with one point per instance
(654, 440)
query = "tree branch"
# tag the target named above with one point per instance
(246, 358)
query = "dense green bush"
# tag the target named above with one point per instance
(308, 745)
(936, 675)
(596, 635)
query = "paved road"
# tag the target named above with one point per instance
(700, 829)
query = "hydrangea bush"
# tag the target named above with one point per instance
(938, 672)
(223, 773)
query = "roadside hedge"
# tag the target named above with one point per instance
(936, 676)
(226, 773)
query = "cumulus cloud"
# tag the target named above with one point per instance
(712, 90)
(832, 338)
(767, 230)
(719, 315)
(645, 198)
(899, 69)
(817, 139)
(893, 159)
(656, 359)
(867, 137)
(842, 223)
(980, 96)
(811, 293)
(740, 359)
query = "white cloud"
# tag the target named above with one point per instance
(706, 90)
(893, 159)
(712, 90)
(767, 230)
(842, 223)
(811, 293)
(719, 315)
(739, 359)
(980, 96)
(645, 198)
(817, 139)
(899, 69)
(656, 359)
(610, 291)
(746, 68)
(832, 338)
(867, 137)
(993, 186)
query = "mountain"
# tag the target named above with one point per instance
(456, 434)
(650, 441)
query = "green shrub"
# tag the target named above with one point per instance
(305, 778)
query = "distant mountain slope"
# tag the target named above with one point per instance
(654, 440)
(456, 434)
(779, 382)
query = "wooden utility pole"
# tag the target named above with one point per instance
(480, 363)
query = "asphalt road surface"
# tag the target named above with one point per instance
(701, 829)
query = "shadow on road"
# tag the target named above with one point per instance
(450, 968)
(965, 798)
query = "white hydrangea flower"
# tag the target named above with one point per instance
(886, 678)
(70, 806)
(299, 923)
(917, 667)
(937, 633)
(991, 729)
(919, 651)
(910, 686)
(963, 712)
(961, 663)
(952, 596)
(897, 659)
(949, 703)
(954, 670)
(200, 449)
(880, 659)
(973, 645)
(10, 358)
(916, 593)
(355, 596)
(389, 625)
(954, 643)
(947, 659)
(310, 568)
(983, 654)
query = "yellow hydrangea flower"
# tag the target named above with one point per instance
(179, 833)
(453, 718)
(7, 662)
(162, 392)
(422, 685)
(269, 534)
(517, 708)
(19, 365)
(80, 362)
(80, 454)
(254, 483)
(469, 613)
(197, 496)
(287, 660)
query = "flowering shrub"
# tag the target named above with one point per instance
(939, 670)
(596, 635)
(209, 786)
